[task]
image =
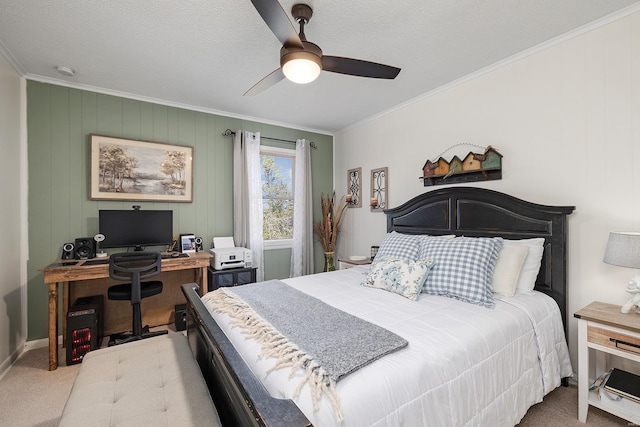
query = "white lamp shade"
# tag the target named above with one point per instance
(623, 249)
(301, 70)
(301, 65)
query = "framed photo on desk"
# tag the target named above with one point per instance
(188, 243)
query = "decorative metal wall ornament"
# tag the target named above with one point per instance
(354, 188)
(379, 189)
(473, 167)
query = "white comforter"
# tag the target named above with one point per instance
(465, 365)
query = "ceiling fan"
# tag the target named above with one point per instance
(300, 60)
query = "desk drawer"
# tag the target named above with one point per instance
(612, 339)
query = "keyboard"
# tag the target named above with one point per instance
(180, 255)
(97, 261)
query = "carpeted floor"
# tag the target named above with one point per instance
(31, 396)
(560, 408)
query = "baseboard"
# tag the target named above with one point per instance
(43, 342)
(9, 361)
(29, 345)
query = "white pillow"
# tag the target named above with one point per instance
(507, 270)
(531, 266)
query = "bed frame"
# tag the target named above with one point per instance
(240, 398)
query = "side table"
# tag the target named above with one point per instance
(345, 263)
(602, 331)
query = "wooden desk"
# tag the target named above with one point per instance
(68, 272)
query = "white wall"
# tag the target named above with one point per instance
(567, 121)
(12, 214)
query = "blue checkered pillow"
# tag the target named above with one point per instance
(399, 246)
(463, 268)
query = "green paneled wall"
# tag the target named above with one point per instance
(60, 120)
(277, 263)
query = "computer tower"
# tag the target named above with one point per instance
(85, 327)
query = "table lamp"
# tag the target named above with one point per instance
(623, 249)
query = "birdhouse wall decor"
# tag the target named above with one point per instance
(473, 167)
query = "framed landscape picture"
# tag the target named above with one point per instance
(128, 169)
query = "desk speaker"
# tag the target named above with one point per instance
(67, 251)
(199, 247)
(85, 248)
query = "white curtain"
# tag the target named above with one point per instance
(247, 196)
(302, 249)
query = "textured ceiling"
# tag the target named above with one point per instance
(205, 54)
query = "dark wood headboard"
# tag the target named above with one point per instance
(478, 212)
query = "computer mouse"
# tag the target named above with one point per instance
(175, 255)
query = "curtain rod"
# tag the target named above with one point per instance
(229, 132)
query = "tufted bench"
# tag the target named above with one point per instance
(152, 382)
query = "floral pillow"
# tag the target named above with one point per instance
(401, 276)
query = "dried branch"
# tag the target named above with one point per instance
(328, 228)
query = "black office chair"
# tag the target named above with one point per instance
(134, 267)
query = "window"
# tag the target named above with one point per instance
(277, 196)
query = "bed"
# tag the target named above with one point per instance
(465, 364)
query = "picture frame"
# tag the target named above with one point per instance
(354, 188)
(131, 169)
(188, 243)
(379, 189)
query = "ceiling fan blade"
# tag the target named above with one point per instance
(271, 79)
(358, 67)
(278, 22)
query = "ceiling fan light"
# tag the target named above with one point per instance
(301, 67)
(301, 70)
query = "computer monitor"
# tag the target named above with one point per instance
(135, 228)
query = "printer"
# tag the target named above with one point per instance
(227, 255)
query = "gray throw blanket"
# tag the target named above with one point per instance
(303, 332)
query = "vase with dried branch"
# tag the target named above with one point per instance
(328, 228)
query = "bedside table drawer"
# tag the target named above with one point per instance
(613, 339)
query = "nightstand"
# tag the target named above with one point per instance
(602, 331)
(343, 264)
(231, 277)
